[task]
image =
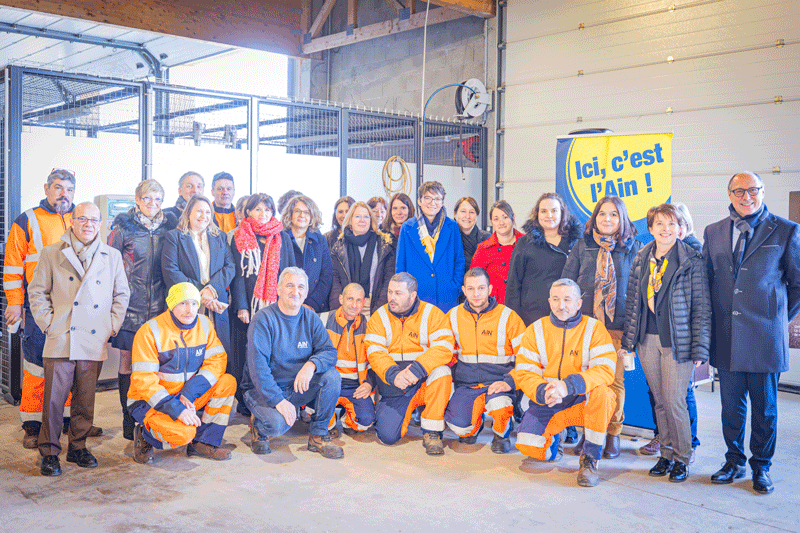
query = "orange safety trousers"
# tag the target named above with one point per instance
(538, 433)
(30, 405)
(393, 413)
(217, 402)
(464, 414)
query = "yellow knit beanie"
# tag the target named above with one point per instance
(180, 292)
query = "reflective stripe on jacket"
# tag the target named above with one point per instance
(583, 356)
(168, 362)
(422, 340)
(30, 233)
(486, 343)
(348, 337)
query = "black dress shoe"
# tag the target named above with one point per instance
(762, 482)
(662, 468)
(83, 458)
(50, 466)
(728, 473)
(611, 450)
(679, 472)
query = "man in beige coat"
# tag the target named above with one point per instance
(78, 297)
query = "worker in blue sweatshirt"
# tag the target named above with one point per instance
(290, 362)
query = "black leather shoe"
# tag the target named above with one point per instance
(50, 466)
(83, 458)
(762, 482)
(611, 450)
(679, 472)
(728, 473)
(662, 468)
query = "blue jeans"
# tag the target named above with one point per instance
(323, 393)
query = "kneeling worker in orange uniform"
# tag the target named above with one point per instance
(346, 327)
(179, 369)
(565, 365)
(409, 347)
(487, 339)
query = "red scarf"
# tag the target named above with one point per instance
(266, 290)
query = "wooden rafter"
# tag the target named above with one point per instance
(321, 17)
(373, 31)
(480, 8)
(352, 14)
(395, 5)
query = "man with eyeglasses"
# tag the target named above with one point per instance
(754, 274)
(429, 248)
(30, 233)
(191, 184)
(78, 296)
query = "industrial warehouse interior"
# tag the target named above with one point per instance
(496, 101)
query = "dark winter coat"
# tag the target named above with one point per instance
(383, 272)
(694, 242)
(316, 264)
(688, 303)
(535, 265)
(141, 256)
(752, 312)
(582, 264)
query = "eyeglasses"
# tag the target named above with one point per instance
(752, 191)
(299, 212)
(432, 199)
(151, 200)
(85, 220)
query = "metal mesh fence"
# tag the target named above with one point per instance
(5, 345)
(453, 144)
(198, 119)
(80, 107)
(300, 129)
(378, 138)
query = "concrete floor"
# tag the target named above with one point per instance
(380, 488)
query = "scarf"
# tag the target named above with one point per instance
(605, 278)
(150, 224)
(654, 281)
(746, 226)
(360, 267)
(85, 252)
(470, 240)
(429, 231)
(266, 289)
(181, 203)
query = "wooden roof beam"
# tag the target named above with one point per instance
(322, 16)
(480, 8)
(373, 31)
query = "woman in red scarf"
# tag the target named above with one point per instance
(256, 248)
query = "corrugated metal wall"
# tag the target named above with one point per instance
(607, 62)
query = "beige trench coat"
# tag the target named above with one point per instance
(78, 311)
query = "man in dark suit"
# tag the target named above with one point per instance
(754, 273)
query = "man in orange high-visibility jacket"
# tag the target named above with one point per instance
(223, 189)
(487, 339)
(410, 348)
(347, 327)
(30, 233)
(565, 365)
(178, 368)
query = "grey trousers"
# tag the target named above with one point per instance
(60, 377)
(668, 380)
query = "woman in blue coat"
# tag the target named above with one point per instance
(198, 252)
(305, 247)
(430, 249)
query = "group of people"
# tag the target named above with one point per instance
(399, 315)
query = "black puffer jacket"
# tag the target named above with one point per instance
(383, 272)
(689, 304)
(141, 254)
(582, 264)
(535, 264)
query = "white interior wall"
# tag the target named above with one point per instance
(721, 86)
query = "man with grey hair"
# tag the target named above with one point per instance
(565, 366)
(78, 297)
(290, 363)
(754, 276)
(191, 184)
(29, 234)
